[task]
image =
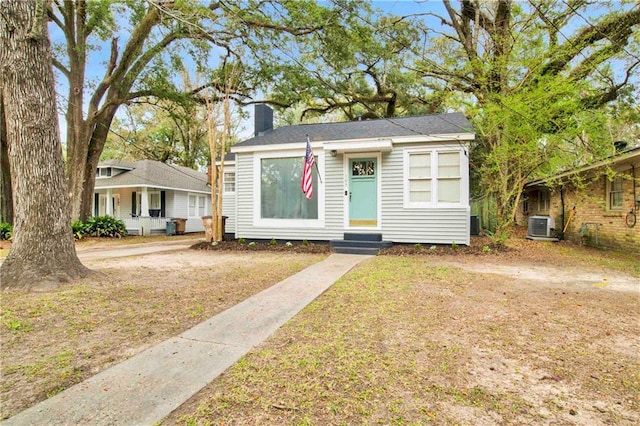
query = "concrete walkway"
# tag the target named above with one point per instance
(109, 251)
(147, 387)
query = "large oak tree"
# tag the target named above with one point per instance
(161, 36)
(43, 252)
(535, 77)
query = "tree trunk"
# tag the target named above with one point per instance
(6, 193)
(43, 253)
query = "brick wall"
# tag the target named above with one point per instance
(593, 223)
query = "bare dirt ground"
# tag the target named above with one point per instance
(538, 333)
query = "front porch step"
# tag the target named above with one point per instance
(359, 236)
(358, 243)
(356, 250)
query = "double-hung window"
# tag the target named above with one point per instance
(197, 206)
(229, 182)
(614, 194)
(449, 178)
(419, 180)
(433, 177)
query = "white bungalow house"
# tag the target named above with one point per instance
(146, 194)
(400, 180)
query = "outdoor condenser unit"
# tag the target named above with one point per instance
(541, 226)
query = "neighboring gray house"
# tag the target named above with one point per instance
(145, 194)
(402, 179)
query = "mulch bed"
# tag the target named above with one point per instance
(478, 246)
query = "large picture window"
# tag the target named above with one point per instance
(280, 194)
(433, 177)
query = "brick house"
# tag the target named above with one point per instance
(598, 204)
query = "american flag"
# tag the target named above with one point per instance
(307, 173)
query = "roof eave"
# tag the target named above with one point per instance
(620, 158)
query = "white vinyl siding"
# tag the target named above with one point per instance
(229, 198)
(434, 222)
(331, 190)
(438, 223)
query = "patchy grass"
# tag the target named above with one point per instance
(410, 338)
(403, 340)
(53, 340)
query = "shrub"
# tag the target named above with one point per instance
(6, 230)
(105, 226)
(78, 229)
(498, 238)
(241, 241)
(273, 242)
(305, 242)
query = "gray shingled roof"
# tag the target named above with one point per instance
(154, 174)
(390, 127)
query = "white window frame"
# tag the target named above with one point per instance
(434, 178)
(346, 167)
(102, 205)
(104, 172)
(225, 182)
(200, 199)
(151, 205)
(610, 192)
(544, 200)
(318, 191)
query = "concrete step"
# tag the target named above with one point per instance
(356, 250)
(361, 243)
(359, 236)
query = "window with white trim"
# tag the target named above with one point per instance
(448, 177)
(433, 177)
(615, 193)
(420, 177)
(154, 200)
(544, 200)
(280, 193)
(103, 172)
(229, 181)
(197, 205)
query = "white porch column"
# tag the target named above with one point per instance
(144, 207)
(145, 220)
(109, 206)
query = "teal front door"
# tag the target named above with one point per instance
(363, 192)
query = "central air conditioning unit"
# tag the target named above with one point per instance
(541, 226)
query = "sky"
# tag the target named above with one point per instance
(95, 69)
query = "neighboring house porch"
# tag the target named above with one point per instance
(147, 194)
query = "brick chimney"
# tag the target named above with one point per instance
(262, 119)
